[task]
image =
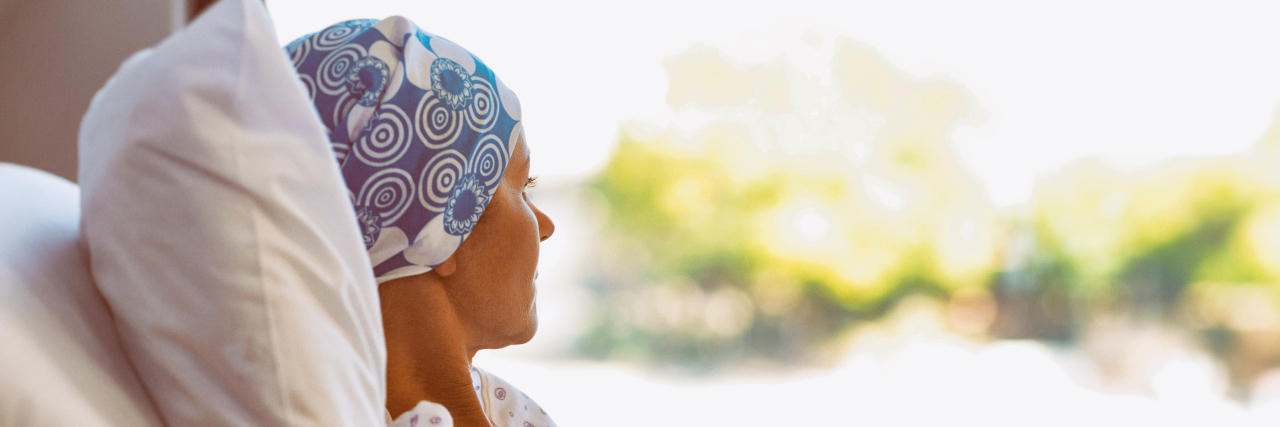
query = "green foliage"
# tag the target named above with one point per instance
(808, 204)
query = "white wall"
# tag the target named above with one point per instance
(54, 55)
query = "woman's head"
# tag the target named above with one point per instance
(430, 145)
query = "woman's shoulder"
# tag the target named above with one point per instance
(506, 405)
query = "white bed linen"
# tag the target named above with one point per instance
(60, 361)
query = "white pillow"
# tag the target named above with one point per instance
(222, 237)
(62, 364)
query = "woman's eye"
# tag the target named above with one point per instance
(529, 183)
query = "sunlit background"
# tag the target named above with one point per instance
(891, 213)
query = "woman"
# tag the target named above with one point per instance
(428, 140)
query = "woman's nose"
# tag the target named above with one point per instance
(545, 226)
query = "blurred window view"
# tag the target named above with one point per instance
(893, 213)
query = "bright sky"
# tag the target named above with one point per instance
(1132, 82)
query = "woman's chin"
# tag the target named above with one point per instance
(529, 331)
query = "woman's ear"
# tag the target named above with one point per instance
(446, 268)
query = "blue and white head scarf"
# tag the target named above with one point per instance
(421, 128)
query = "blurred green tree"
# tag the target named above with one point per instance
(808, 198)
(791, 198)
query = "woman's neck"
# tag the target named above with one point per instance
(428, 357)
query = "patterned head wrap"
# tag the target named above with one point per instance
(421, 129)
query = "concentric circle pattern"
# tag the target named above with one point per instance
(337, 66)
(387, 139)
(388, 194)
(419, 142)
